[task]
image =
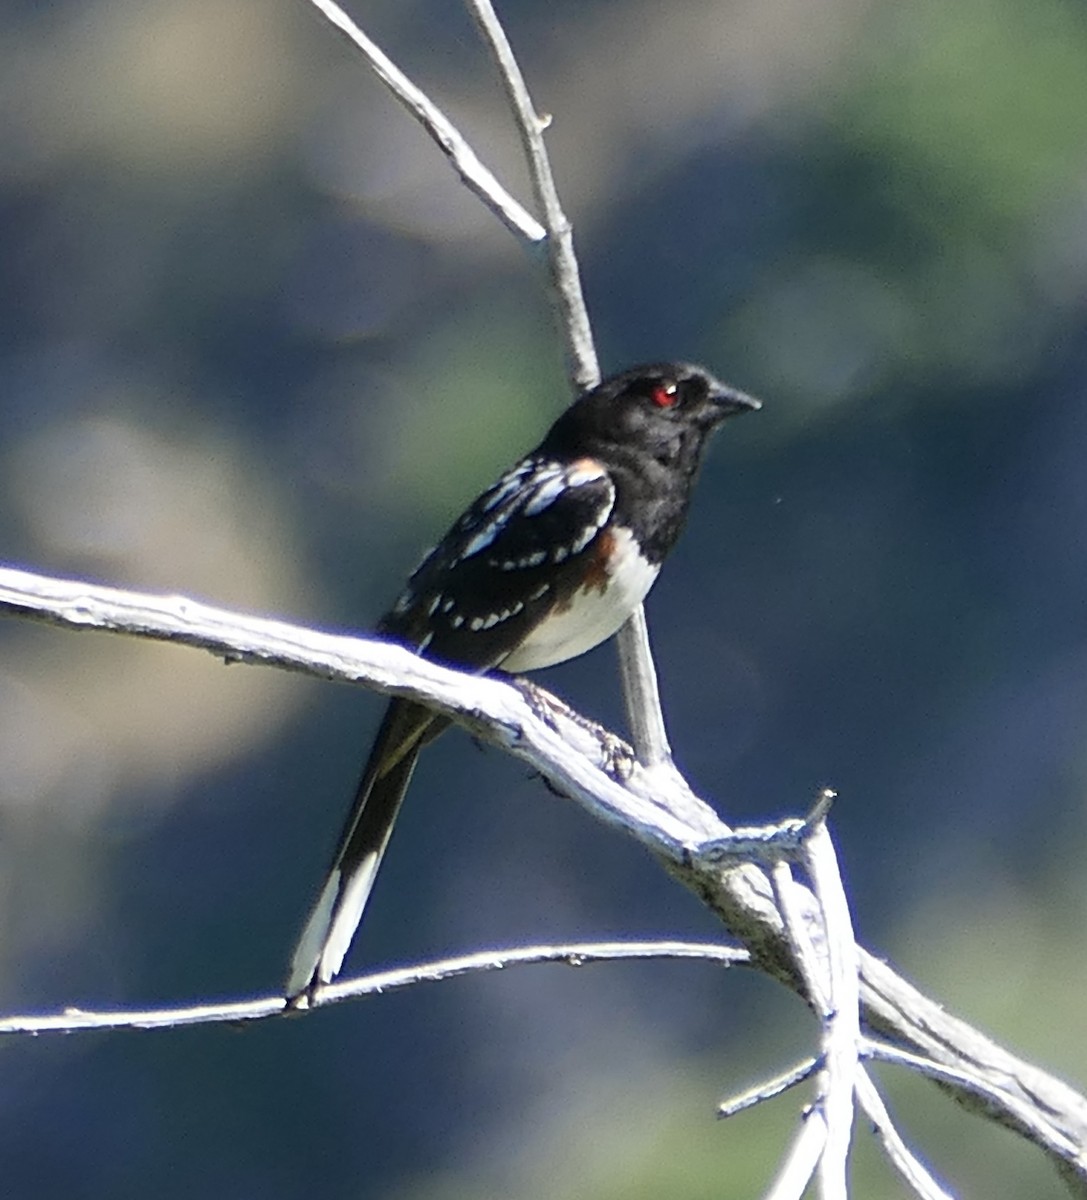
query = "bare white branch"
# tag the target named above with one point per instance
(823, 947)
(906, 1163)
(841, 1018)
(565, 273)
(574, 754)
(798, 1169)
(641, 692)
(655, 807)
(73, 1020)
(450, 140)
(1024, 1110)
(768, 1089)
(793, 902)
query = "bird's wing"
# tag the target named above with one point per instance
(502, 568)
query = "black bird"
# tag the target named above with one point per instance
(546, 564)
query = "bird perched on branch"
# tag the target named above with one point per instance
(544, 565)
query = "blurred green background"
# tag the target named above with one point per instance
(258, 345)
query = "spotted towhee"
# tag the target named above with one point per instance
(546, 564)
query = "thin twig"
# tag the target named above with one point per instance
(829, 972)
(1026, 1113)
(768, 1089)
(565, 273)
(641, 694)
(578, 954)
(791, 901)
(841, 1018)
(815, 973)
(798, 1169)
(906, 1163)
(478, 178)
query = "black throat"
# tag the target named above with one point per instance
(653, 486)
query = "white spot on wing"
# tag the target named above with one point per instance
(482, 539)
(587, 535)
(547, 481)
(550, 485)
(507, 485)
(519, 564)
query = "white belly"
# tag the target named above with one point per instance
(595, 614)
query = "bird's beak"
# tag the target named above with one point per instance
(731, 402)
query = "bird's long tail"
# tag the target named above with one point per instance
(331, 927)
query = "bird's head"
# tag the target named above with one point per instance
(665, 408)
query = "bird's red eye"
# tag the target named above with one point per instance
(664, 395)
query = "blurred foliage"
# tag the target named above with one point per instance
(258, 345)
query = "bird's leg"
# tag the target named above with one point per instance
(616, 756)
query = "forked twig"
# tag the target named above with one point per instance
(478, 178)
